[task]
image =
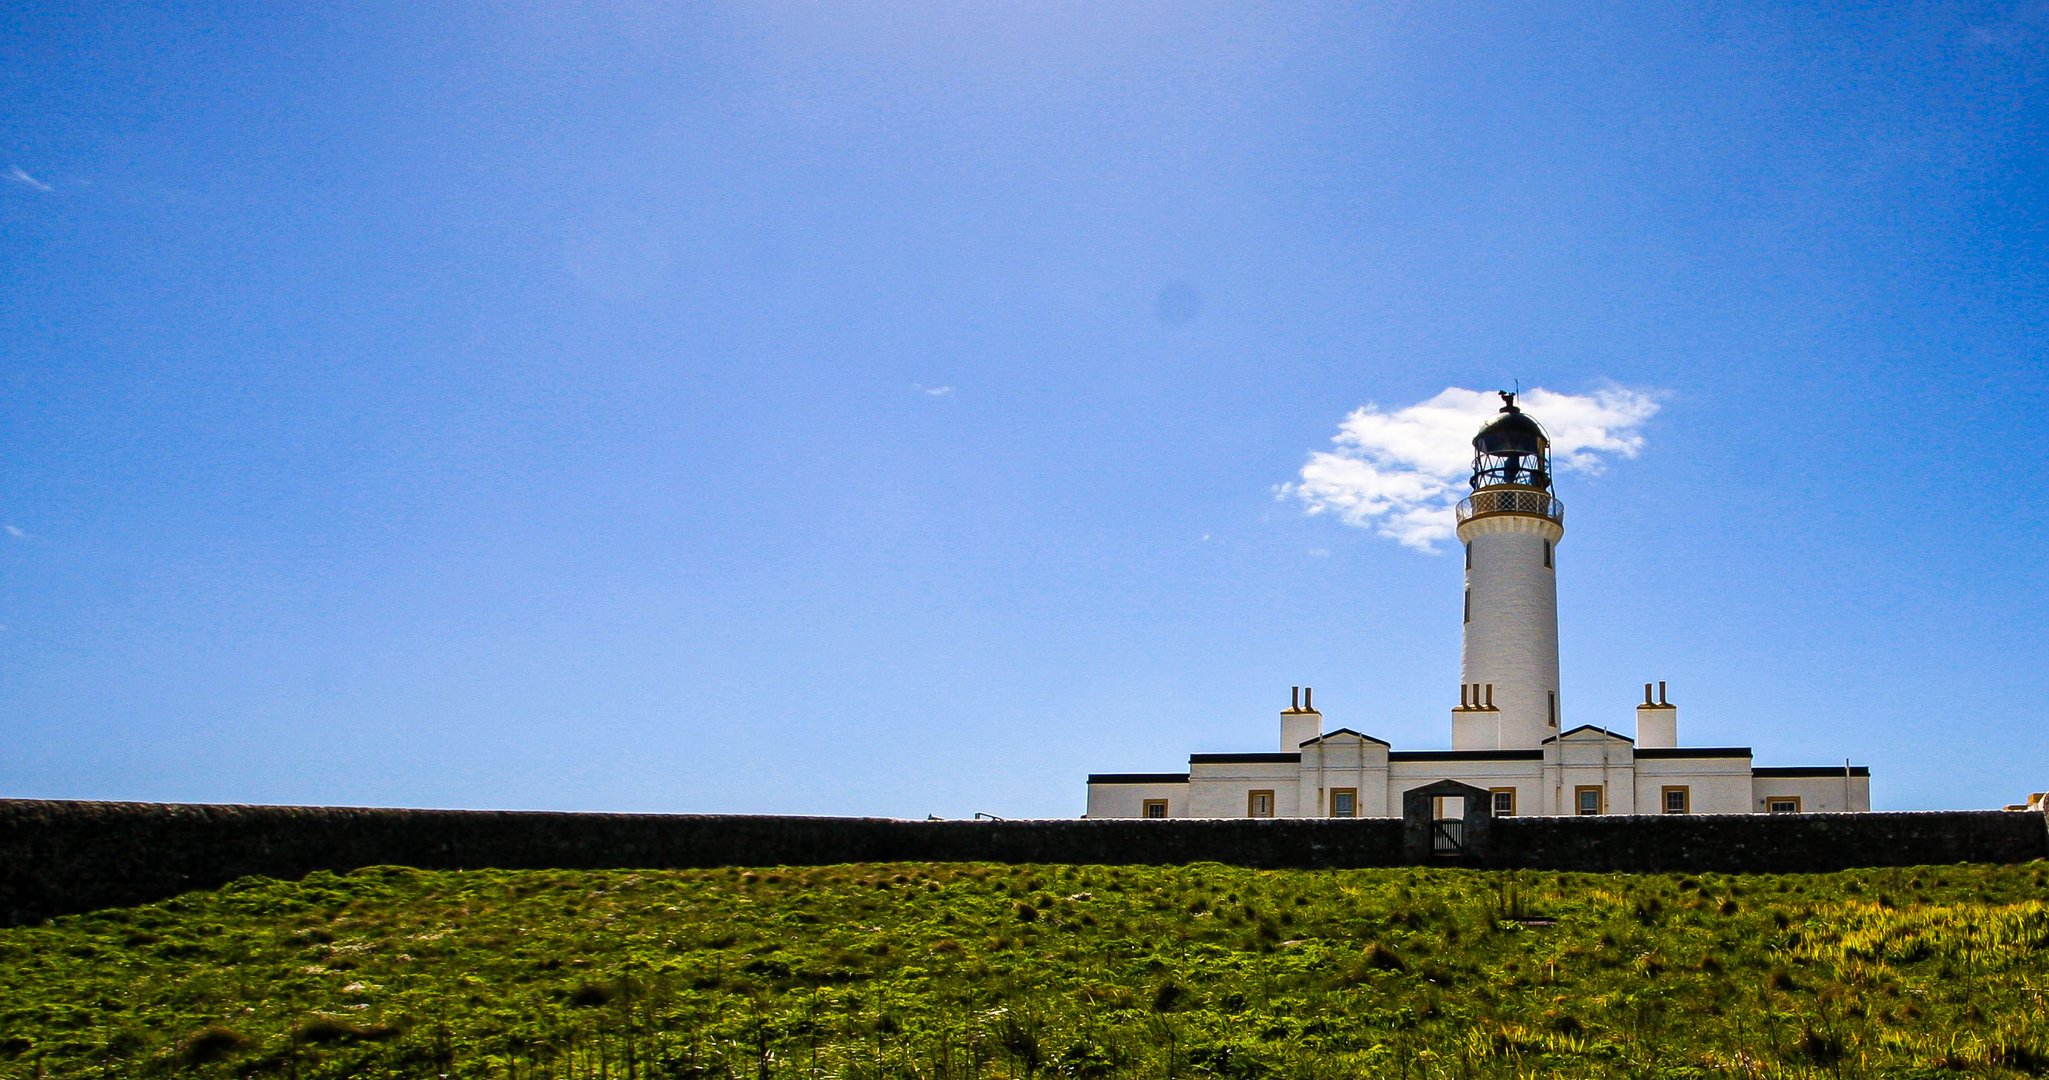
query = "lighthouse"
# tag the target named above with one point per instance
(1510, 527)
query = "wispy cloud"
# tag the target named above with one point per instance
(16, 174)
(15, 531)
(932, 391)
(1401, 472)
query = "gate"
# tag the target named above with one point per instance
(1446, 822)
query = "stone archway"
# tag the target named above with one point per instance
(1457, 838)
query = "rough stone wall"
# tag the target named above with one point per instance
(1766, 843)
(63, 857)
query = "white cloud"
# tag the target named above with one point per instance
(1401, 472)
(15, 173)
(15, 531)
(932, 391)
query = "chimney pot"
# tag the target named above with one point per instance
(1661, 692)
(1308, 701)
(1295, 696)
(1647, 694)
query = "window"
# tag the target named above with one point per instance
(1547, 553)
(1782, 804)
(1678, 800)
(1259, 804)
(1469, 605)
(1504, 801)
(1469, 555)
(1586, 800)
(1554, 708)
(1155, 808)
(1344, 802)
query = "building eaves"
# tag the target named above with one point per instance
(1466, 755)
(1242, 759)
(1821, 771)
(1693, 752)
(1138, 778)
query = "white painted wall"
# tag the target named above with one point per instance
(1590, 759)
(1128, 800)
(1818, 794)
(1220, 790)
(1525, 776)
(1511, 635)
(1543, 786)
(1714, 785)
(1343, 761)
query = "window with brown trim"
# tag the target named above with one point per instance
(1259, 804)
(1677, 800)
(1344, 802)
(1504, 801)
(1588, 800)
(1155, 808)
(1782, 804)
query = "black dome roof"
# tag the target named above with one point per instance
(1513, 433)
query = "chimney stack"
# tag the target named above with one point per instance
(1657, 723)
(1301, 722)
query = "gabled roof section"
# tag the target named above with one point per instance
(1346, 731)
(1592, 728)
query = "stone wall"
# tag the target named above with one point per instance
(1765, 843)
(63, 857)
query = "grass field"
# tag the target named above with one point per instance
(939, 971)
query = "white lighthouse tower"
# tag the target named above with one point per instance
(1510, 526)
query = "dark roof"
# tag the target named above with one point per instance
(1692, 751)
(1465, 755)
(1241, 759)
(1513, 433)
(1790, 771)
(1591, 727)
(1346, 731)
(1138, 778)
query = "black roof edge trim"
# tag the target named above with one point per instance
(1790, 771)
(1693, 751)
(1138, 778)
(1242, 759)
(1466, 755)
(1345, 731)
(1591, 727)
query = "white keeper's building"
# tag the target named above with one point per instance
(1505, 732)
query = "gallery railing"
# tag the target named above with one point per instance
(1511, 501)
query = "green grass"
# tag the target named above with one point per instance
(939, 971)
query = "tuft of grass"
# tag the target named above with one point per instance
(210, 1044)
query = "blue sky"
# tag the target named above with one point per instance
(890, 410)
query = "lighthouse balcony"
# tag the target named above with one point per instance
(1511, 500)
